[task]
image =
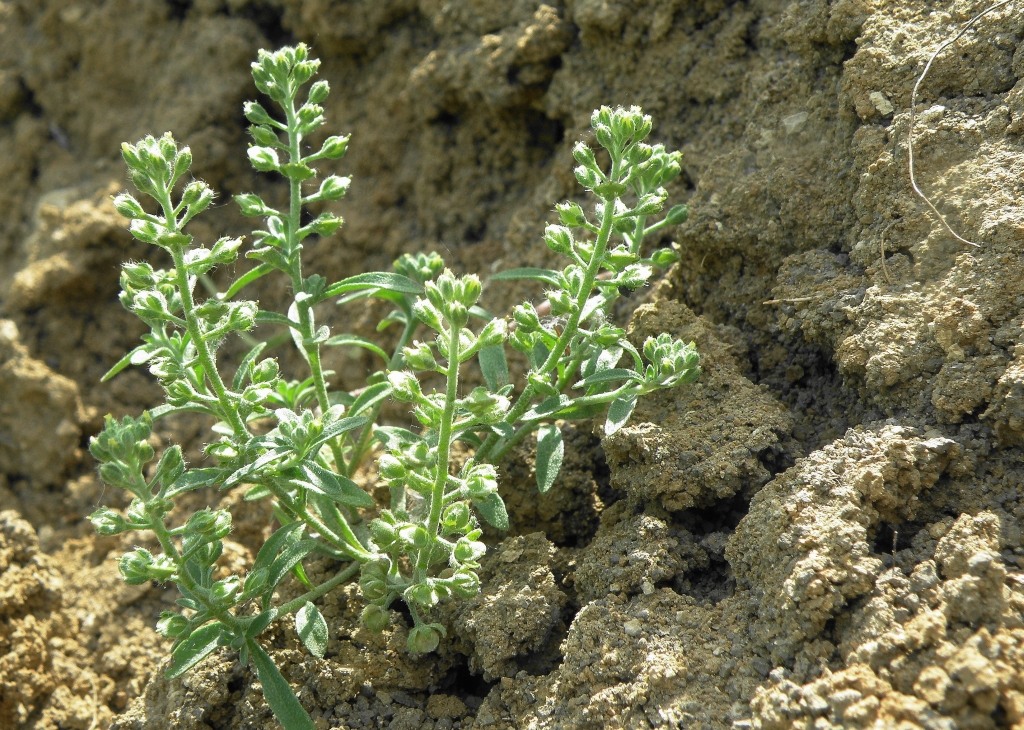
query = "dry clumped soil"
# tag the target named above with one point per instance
(825, 531)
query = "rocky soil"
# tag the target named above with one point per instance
(825, 531)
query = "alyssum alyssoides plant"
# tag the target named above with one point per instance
(296, 442)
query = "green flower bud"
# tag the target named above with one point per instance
(145, 231)
(609, 190)
(256, 114)
(265, 371)
(605, 137)
(457, 518)
(677, 215)
(485, 406)
(457, 315)
(108, 522)
(482, 480)
(467, 290)
(561, 302)
(171, 625)
(404, 386)
(558, 238)
(422, 594)
(294, 171)
(182, 162)
(334, 147)
(428, 314)
(445, 285)
(225, 590)
(419, 356)
(571, 214)
(391, 468)
(493, 333)
(634, 276)
(423, 639)
(252, 205)
(128, 206)
(333, 187)
(374, 617)
(210, 524)
(304, 71)
(166, 149)
(585, 156)
(468, 550)
(620, 257)
(130, 154)
(197, 196)
(608, 335)
(651, 203)
(384, 530)
(140, 566)
(318, 92)
(465, 583)
(264, 136)
(525, 316)
(587, 177)
(264, 159)
(373, 582)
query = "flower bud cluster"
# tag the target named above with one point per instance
(671, 361)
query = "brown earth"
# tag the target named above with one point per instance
(824, 532)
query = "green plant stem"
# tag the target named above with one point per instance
(347, 541)
(494, 443)
(229, 410)
(444, 446)
(321, 590)
(363, 445)
(304, 307)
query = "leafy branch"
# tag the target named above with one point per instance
(298, 442)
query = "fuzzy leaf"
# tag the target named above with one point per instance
(200, 644)
(547, 276)
(282, 700)
(492, 508)
(341, 489)
(494, 366)
(283, 538)
(312, 629)
(366, 344)
(550, 450)
(374, 281)
(618, 413)
(609, 376)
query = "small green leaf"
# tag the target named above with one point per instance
(289, 559)
(374, 280)
(494, 366)
(264, 317)
(200, 644)
(312, 629)
(282, 700)
(370, 397)
(247, 278)
(547, 276)
(137, 356)
(283, 538)
(618, 413)
(609, 376)
(341, 489)
(242, 372)
(550, 450)
(492, 508)
(341, 340)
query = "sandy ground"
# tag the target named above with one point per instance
(824, 532)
